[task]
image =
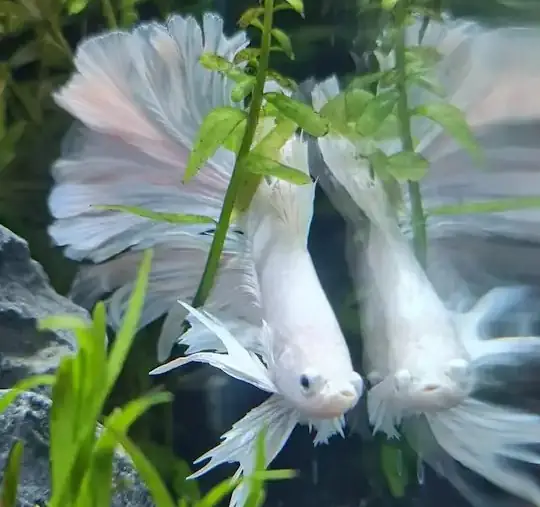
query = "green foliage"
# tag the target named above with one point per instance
(10, 481)
(172, 218)
(452, 120)
(263, 166)
(215, 129)
(81, 454)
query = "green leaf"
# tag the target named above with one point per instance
(284, 41)
(218, 493)
(128, 329)
(376, 113)
(147, 472)
(63, 322)
(271, 144)
(263, 166)
(10, 481)
(256, 485)
(22, 386)
(25, 54)
(172, 218)
(378, 161)
(14, 14)
(243, 88)
(246, 55)
(215, 129)
(251, 17)
(394, 470)
(494, 206)
(453, 121)
(300, 113)
(281, 80)
(30, 100)
(8, 143)
(234, 141)
(346, 108)
(388, 5)
(214, 62)
(422, 56)
(407, 166)
(172, 469)
(76, 6)
(99, 478)
(63, 418)
(297, 5)
(128, 12)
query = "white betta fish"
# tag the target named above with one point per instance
(142, 96)
(427, 362)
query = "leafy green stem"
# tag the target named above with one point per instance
(212, 263)
(418, 219)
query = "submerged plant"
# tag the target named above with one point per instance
(81, 449)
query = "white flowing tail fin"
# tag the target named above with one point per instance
(141, 97)
(495, 432)
(493, 76)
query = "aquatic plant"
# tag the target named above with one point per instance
(82, 449)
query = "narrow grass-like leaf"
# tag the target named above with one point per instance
(146, 470)
(218, 493)
(23, 386)
(10, 481)
(394, 470)
(63, 415)
(264, 166)
(300, 113)
(128, 329)
(98, 480)
(494, 206)
(63, 322)
(256, 485)
(453, 121)
(172, 218)
(215, 129)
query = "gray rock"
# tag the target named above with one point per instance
(27, 419)
(25, 297)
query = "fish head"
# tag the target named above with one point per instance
(318, 395)
(433, 389)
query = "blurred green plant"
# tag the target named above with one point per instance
(82, 450)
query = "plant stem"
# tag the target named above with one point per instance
(212, 263)
(108, 12)
(418, 218)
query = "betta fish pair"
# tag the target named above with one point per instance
(140, 98)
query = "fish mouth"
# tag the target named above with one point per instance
(334, 404)
(433, 396)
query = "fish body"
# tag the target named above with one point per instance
(429, 359)
(141, 97)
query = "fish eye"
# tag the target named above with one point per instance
(310, 382)
(305, 382)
